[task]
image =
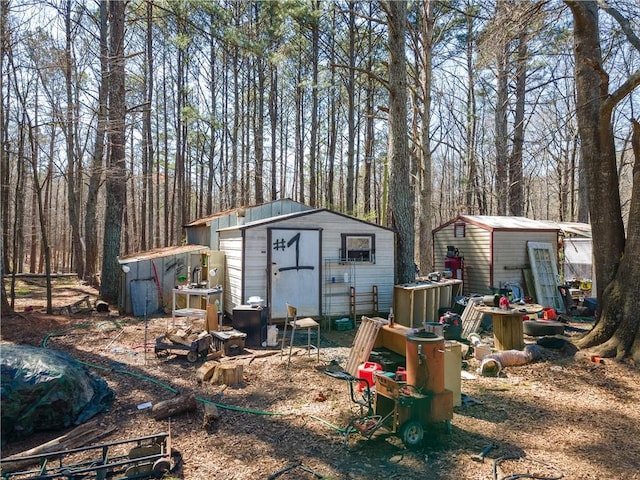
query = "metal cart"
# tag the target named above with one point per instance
(395, 407)
(198, 347)
(148, 456)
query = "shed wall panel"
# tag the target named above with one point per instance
(475, 247)
(510, 254)
(231, 245)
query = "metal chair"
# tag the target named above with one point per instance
(296, 323)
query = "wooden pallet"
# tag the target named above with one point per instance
(363, 343)
(471, 317)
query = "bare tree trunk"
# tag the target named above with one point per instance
(332, 132)
(299, 134)
(147, 205)
(212, 123)
(116, 176)
(501, 178)
(5, 174)
(313, 144)
(425, 247)
(95, 171)
(234, 181)
(351, 128)
(18, 210)
(273, 118)
(617, 262)
(33, 252)
(516, 201)
(74, 192)
(259, 135)
(180, 183)
(473, 194)
(168, 209)
(401, 196)
(5, 308)
(41, 215)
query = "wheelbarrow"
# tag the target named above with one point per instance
(394, 407)
(198, 347)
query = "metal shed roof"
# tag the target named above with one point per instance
(160, 252)
(287, 216)
(497, 222)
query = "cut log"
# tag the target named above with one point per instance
(179, 337)
(173, 406)
(205, 372)
(229, 374)
(214, 355)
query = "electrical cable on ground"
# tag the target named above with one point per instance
(174, 390)
(516, 476)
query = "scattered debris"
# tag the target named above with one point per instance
(176, 339)
(479, 457)
(292, 467)
(85, 434)
(81, 306)
(492, 364)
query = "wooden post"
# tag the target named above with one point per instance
(211, 322)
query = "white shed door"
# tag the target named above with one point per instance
(294, 271)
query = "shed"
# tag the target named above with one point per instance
(494, 248)
(204, 231)
(147, 278)
(323, 262)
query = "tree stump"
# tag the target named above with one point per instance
(173, 406)
(228, 374)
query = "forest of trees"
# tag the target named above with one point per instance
(122, 121)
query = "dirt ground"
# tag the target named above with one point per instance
(563, 414)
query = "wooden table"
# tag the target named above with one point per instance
(508, 333)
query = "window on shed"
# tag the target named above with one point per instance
(358, 247)
(459, 229)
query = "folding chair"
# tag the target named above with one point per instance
(296, 323)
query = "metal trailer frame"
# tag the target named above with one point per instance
(150, 456)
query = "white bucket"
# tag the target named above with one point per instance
(272, 336)
(481, 351)
(255, 301)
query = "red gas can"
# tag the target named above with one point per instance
(366, 370)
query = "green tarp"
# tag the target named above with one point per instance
(45, 389)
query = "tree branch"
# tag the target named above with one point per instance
(623, 22)
(623, 90)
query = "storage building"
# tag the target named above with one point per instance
(493, 248)
(325, 263)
